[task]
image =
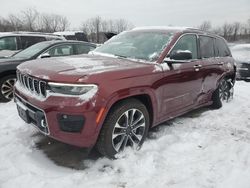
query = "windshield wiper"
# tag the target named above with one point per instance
(121, 56)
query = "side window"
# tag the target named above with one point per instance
(8, 43)
(221, 49)
(207, 46)
(83, 48)
(27, 41)
(187, 42)
(62, 50)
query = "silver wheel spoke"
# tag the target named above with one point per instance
(127, 118)
(133, 142)
(125, 142)
(138, 120)
(8, 96)
(138, 125)
(132, 116)
(118, 126)
(117, 134)
(138, 137)
(119, 144)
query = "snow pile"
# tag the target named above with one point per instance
(241, 52)
(204, 148)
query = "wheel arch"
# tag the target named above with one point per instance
(146, 97)
(7, 73)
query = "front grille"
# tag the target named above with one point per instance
(35, 86)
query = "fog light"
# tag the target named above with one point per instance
(43, 123)
(70, 123)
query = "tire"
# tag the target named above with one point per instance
(120, 130)
(6, 88)
(221, 94)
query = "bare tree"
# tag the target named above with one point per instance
(29, 17)
(205, 26)
(236, 29)
(15, 22)
(53, 23)
(94, 27)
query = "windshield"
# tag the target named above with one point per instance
(32, 50)
(136, 45)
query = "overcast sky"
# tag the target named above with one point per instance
(139, 12)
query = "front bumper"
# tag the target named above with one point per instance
(62, 118)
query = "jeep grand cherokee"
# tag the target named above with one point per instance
(137, 80)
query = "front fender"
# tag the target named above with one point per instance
(125, 94)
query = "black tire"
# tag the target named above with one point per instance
(6, 88)
(221, 94)
(118, 130)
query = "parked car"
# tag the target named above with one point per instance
(241, 53)
(73, 35)
(40, 50)
(135, 81)
(12, 42)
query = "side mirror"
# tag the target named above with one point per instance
(45, 55)
(181, 55)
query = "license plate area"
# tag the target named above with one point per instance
(23, 113)
(32, 115)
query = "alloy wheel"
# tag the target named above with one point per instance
(224, 91)
(129, 130)
(7, 88)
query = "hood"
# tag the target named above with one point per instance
(7, 53)
(11, 59)
(71, 69)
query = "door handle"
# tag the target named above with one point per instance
(197, 66)
(220, 63)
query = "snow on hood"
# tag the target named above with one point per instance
(74, 67)
(6, 53)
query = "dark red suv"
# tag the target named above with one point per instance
(138, 79)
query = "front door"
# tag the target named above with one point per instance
(182, 82)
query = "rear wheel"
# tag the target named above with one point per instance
(221, 94)
(6, 88)
(125, 126)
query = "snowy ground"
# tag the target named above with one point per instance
(205, 148)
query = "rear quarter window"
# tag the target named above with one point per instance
(206, 47)
(27, 41)
(221, 48)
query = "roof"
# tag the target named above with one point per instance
(24, 33)
(67, 41)
(175, 29)
(162, 28)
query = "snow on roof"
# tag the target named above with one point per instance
(67, 32)
(162, 28)
(25, 33)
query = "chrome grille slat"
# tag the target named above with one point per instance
(33, 85)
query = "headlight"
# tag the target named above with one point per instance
(71, 89)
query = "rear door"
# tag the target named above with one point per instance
(212, 66)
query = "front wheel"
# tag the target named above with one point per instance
(6, 88)
(126, 125)
(222, 94)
